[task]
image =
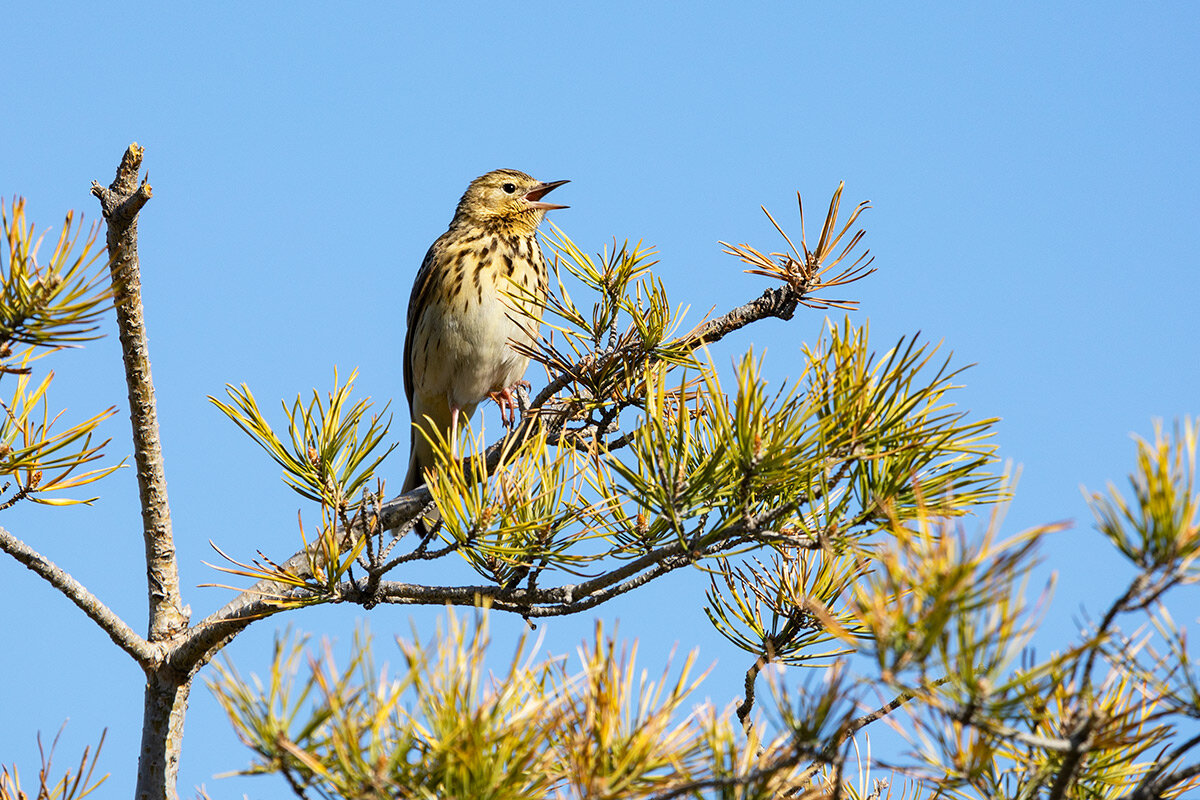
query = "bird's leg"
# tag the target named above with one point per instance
(454, 431)
(508, 403)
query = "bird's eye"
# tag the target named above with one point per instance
(509, 188)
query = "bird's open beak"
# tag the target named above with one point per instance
(535, 195)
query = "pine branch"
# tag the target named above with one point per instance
(1154, 783)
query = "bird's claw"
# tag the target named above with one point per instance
(508, 403)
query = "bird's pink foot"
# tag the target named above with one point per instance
(508, 403)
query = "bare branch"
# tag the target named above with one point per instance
(779, 302)
(120, 204)
(558, 600)
(125, 637)
(747, 705)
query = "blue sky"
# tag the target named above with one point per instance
(1032, 167)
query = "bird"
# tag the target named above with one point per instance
(462, 323)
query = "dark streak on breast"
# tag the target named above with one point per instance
(478, 279)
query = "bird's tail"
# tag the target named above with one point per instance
(419, 458)
(415, 477)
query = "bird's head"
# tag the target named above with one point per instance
(506, 199)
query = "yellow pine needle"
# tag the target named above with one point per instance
(804, 269)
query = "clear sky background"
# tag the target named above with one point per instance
(1033, 170)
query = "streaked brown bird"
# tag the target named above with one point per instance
(461, 317)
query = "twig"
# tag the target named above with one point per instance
(779, 302)
(747, 705)
(851, 727)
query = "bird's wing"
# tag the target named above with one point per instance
(416, 301)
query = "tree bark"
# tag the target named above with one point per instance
(164, 707)
(120, 202)
(167, 689)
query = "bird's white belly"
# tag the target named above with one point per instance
(472, 356)
(481, 358)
